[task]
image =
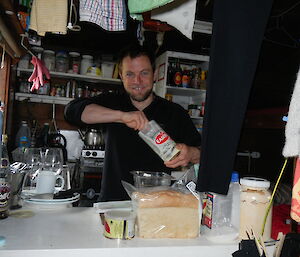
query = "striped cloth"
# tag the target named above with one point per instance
(108, 14)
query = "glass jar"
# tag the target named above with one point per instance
(24, 62)
(255, 199)
(61, 61)
(194, 110)
(49, 59)
(45, 89)
(86, 62)
(37, 51)
(74, 62)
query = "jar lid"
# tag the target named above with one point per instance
(49, 52)
(85, 56)
(37, 49)
(194, 106)
(255, 182)
(74, 54)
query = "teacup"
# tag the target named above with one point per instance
(46, 181)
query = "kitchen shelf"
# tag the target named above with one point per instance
(184, 91)
(87, 78)
(34, 98)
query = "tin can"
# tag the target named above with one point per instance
(119, 224)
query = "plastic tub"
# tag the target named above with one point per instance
(150, 179)
(107, 69)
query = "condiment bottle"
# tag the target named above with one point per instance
(177, 75)
(255, 199)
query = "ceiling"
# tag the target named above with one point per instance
(278, 63)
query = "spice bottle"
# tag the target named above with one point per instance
(255, 199)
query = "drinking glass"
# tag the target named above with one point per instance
(53, 160)
(33, 157)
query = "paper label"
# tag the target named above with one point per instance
(208, 210)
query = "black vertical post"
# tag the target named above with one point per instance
(238, 30)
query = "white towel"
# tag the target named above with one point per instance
(49, 16)
(292, 129)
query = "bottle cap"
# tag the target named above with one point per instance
(235, 176)
(255, 182)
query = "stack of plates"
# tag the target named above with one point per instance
(37, 200)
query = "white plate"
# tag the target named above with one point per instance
(54, 201)
(103, 207)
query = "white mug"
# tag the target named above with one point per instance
(46, 181)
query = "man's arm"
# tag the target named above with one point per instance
(92, 113)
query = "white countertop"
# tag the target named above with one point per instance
(78, 232)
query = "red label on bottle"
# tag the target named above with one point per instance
(161, 138)
(177, 78)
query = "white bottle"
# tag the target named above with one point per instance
(235, 191)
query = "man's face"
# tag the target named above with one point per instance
(137, 76)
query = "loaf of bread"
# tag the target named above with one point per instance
(167, 214)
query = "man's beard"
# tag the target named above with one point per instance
(140, 98)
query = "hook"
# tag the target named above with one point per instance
(25, 47)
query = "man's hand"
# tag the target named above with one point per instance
(136, 120)
(187, 154)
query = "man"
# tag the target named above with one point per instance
(123, 115)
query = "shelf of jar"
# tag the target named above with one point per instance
(185, 91)
(34, 98)
(87, 78)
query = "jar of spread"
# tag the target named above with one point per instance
(255, 199)
(74, 62)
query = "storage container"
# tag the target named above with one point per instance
(255, 199)
(150, 179)
(74, 62)
(49, 59)
(86, 62)
(62, 61)
(107, 69)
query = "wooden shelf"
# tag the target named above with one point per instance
(34, 98)
(70, 76)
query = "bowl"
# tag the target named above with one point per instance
(151, 179)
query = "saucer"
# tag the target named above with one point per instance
(36, 200)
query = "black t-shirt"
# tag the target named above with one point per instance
(125, 151)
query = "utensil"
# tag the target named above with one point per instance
(91, 137)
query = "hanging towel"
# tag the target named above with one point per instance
(292, 129)
(179, 14)
(108, 14)
(138, 6)
(49, 16)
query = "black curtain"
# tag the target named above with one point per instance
(238, 31)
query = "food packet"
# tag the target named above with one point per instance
(159, 141)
